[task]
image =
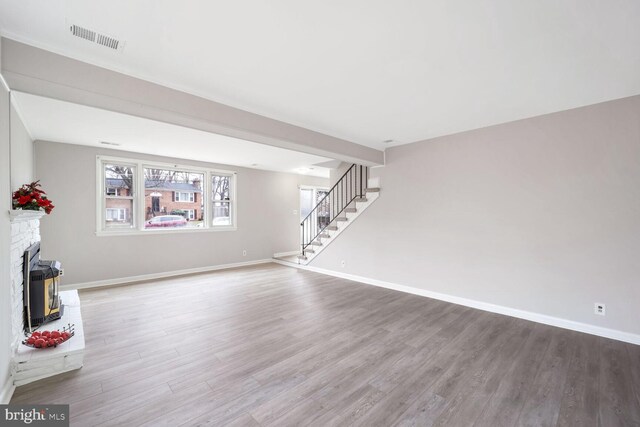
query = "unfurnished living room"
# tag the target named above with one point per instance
(292, 213)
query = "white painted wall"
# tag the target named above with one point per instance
(5, 236)
(541, 215)
(266, 221)
(22, 161)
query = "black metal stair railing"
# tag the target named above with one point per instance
(352, 185)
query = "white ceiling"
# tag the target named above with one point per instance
(52, 120)
(361, 70)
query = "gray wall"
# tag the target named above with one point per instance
(336, 173)
(266, 222)
(5, 236)
(540, 215)
(22, 161)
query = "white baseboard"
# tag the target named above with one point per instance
(153, 276)
(508, 311)
(290, 253)
(7, 391)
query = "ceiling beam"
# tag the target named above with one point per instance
(40, 72)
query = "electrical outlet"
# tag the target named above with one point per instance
(343, 263)
(244, 253)
(599, 309)
(61, 272)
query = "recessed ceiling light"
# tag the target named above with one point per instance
(254, 164)
(388, 141)
(110, 143)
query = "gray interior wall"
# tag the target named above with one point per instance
(22, 161)
(266, 220)
(541, 215)
(336, 173)
(5, 236)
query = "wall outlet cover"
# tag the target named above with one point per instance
(599, 309)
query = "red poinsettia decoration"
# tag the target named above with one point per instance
(31, 197)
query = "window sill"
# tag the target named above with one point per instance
(128, 232)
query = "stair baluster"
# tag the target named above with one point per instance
(351, 186)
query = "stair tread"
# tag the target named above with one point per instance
(360, 199)
(315, 244)
(351, 210)
(341, 218)
(302, 257)
(373, 190)
(324, 236)
(311, 251)
(332, 227)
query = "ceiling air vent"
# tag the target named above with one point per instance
(96, 37)
(83, 33)
(108, 41)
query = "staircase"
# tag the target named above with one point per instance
(347, 199)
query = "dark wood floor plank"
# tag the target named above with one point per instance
(542, 400)
(504, 406)
(580, 400)
(618, 403)
(272, 345)
(482, 377)
(634, 365)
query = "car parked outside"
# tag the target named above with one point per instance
(163, 221)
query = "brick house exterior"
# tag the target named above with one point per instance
(160, 199)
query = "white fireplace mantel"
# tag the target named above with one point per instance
(19, 215)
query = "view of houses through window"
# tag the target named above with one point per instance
(172, 198)
(119, 195)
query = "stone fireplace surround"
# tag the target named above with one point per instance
(30, 364)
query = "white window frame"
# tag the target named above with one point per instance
(101, 214)
(138, 212)
(232, 197)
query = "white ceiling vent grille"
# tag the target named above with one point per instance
(96, 37)
(83, 33)
(108, 41)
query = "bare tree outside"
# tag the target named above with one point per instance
(124, 173)
(221, 195)
(221, 187)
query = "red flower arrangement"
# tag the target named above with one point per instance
(30, 197)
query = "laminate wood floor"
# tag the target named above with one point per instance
(274, 345)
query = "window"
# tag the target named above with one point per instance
(190, 214)
(117, 214)
(185, 197)
(221, 199)
(172, 196)
(138, 197)
(119, 182)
